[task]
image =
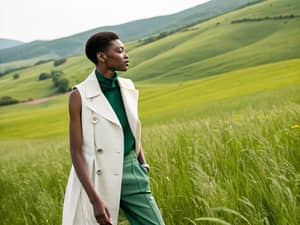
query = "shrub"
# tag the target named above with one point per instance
(59, 61)
(56, 72)
(63, 85)
(44, 76)
(16, 76)
(7, 100)
(56, 77)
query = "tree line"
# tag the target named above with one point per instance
(281, 17)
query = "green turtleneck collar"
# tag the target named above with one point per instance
(107, 84)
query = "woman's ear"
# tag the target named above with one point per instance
(101, 57)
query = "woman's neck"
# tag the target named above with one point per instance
(108, 73)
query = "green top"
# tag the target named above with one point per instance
(111, 90)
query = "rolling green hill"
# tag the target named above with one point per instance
(217, 46)
(73, 45)
(209, 48)
(258, 87)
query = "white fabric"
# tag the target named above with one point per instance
(101, 129)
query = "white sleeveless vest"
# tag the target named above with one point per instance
(103, 150)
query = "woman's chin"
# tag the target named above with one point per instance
(124, 69)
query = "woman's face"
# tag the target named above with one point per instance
(115, 57)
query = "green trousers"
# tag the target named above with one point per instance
(137, 202)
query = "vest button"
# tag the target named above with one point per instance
(94, 119)
(99, 172)
(100, 150)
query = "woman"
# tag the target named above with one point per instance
(109, 170)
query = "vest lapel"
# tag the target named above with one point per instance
(130, 99)
(98, 102)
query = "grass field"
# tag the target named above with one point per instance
(243, 169)
(259, 87)
(220, 129)
(230, 156)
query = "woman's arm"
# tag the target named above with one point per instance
(78, 160)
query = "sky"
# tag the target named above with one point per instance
(46, 20)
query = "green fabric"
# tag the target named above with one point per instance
(137, 201)
(111, 90)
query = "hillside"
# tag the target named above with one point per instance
(203, 50)
(260, 87)
(73, 45)
(9, 43)
(219, 46)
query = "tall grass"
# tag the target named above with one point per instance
(32, 181)
(242, 169)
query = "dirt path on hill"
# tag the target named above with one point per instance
(42, 100)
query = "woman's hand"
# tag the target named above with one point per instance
(146, 166)
(101, 213)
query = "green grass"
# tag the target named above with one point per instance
(248, 165)
(233, 144)
(258, 87)
(186, 99)
(20, 63)
(32, 181)
(209, 49)
(220, 129)
(241, 168)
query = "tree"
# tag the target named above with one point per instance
(63, 85)
(16, 76)
(7, 100)
(59, 61)
(55, 80)
(44, 76)
(56, 76)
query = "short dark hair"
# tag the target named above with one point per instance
(99, 42)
